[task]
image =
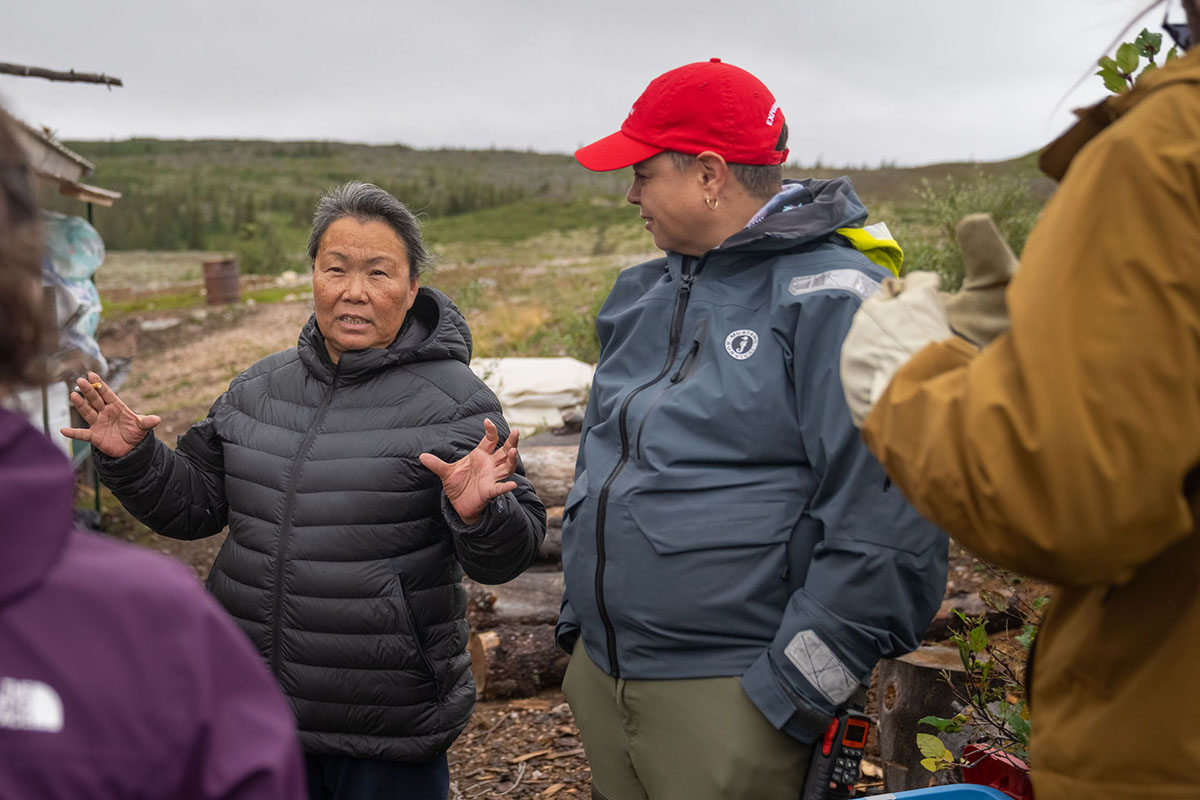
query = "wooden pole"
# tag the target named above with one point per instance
(70, 76)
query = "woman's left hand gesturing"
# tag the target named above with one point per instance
(472, 481)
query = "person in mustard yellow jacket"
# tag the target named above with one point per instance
(1068, 448)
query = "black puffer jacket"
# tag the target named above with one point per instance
(343, 556)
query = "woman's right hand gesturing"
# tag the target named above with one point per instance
(113, 428)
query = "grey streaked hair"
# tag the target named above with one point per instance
(365, 202)
(759, 180)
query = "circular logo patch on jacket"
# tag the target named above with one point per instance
(741, 344)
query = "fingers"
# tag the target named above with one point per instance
(82, 434)
(84, 408)
(435, 465)
(103, 390)
(149, 421)
(490, 436)
(497, 489)
(86, 390)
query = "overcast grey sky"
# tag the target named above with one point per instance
(862, 82)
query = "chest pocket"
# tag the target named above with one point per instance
(727, 396)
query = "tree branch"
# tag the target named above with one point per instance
(70, 76)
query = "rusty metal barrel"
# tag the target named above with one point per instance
(221, 281)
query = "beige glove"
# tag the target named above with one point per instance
(887, 330)
(978, 312)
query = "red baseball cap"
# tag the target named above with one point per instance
(708, 105)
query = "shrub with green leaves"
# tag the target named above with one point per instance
(1122, 72)
(991, 689)
(925, 229)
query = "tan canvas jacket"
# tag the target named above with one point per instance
(1068, 448)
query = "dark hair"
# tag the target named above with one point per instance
(759, 180)
(366, 202)
(20, 265)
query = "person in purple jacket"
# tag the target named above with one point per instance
(119, 676)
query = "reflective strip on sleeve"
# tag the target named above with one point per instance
(820, 667)
(848, 280)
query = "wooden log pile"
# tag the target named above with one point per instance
(551, 470)
(512, 647)
(513, 653)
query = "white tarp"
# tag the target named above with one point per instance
(28, 403)
(534, 392)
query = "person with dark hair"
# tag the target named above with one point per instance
(356, 487)
(119, 676)
(735, 560)
(1068, 447)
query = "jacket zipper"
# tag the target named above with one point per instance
(682, 374)
(681, 302)
(416, 632)
(285, 530)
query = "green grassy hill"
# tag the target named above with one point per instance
(255, 198)
(528, 244)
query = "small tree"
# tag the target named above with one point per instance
(991, 689)
(1121, 73)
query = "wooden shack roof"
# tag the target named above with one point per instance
(59, 164)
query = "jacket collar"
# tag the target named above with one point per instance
(37, 490)
(434, 329)
(821, 208)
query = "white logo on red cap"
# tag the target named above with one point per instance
(771, 114)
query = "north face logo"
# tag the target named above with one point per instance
(29, 706)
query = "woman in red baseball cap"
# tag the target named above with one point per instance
(735, 561)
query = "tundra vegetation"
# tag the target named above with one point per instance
(527, 244)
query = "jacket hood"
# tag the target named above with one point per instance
(36, 493)
(822, 207)
(433, 330)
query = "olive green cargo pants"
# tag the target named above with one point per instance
(696, 739)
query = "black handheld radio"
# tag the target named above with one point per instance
(834, 767)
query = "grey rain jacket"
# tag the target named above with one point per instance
(726, 518)
(343, 556)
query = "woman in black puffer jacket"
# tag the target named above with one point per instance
(356, 488)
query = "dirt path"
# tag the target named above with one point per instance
(180, 370)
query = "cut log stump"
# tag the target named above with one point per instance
(907, 689)
(515, 660)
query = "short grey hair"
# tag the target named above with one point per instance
(366, 202)
(761, 181)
